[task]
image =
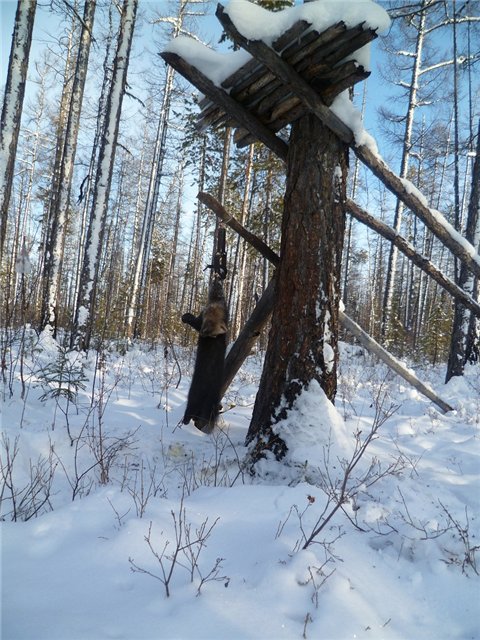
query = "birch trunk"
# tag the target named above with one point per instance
(137, 297)
(148, 222)
(13, 104)
(61, 191)
(86, 188)
(239, 263)
(407, 146)
(96, 228)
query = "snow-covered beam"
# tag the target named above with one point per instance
(419, 260)
(241, 115)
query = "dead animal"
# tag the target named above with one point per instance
(203, 403)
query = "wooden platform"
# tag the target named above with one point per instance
(318, 57)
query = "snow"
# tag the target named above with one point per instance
(215, 65)
(256, 23)
(343, 107)
(22, 263)
(401, 572)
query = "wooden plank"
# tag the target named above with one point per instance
(270, 101)
(219, 210)
(285, 107)
(301, 47)
(289, 117)
(243, 83)
(250, 94)
(287, 75)
(242, 347)
(331, 91)
(313, 43)
(437, 224)
(234, 109)
(268, 104)
(243, 137)
(291, 34)
(253, 82)
(350, 46)
(247, 69)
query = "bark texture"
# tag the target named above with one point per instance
(13, 104)
(303, 337)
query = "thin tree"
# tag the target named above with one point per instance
(84, 311)
(406, 151)
(464, 339)
(63, 173)
(13, 104)
(156, 174)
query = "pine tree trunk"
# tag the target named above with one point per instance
(303, 338)
(12, 105)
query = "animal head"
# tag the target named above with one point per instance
(214, 321)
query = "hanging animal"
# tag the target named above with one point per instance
(203, 402)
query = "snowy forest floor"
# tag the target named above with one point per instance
(118, 522)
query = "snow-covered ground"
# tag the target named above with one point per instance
(140, 505)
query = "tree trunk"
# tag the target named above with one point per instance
(303, 338)
(464, 341)
(12, 105)
(407, 147)
(60, 198)
(137, 298)
(96, 228)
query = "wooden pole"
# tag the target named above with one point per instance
(407, 249)
(234, 108)
(371, 345)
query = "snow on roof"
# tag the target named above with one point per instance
(213, 64)
(257, 23)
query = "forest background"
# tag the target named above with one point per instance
(155, 238)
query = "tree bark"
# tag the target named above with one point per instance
(12, 105)
(303, 338)
(63, 174)
(464, 340)
(96, 229)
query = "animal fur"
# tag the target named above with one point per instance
(203, 403)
